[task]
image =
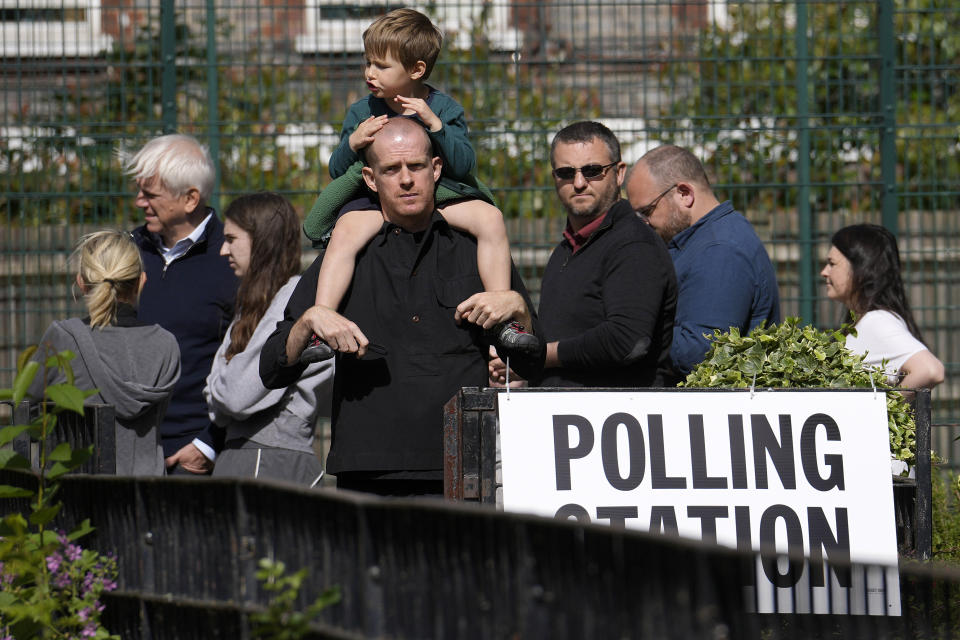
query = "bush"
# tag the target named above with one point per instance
(49, 586)
(789, 355)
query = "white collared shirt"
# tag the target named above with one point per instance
(183, 244)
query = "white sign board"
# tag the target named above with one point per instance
(785, 470)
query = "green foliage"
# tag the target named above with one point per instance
(281, 620)
(790, 355)
(946, 517)
(72, 156)
(746, 106)
(50, 587)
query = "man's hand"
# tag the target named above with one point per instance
(498, 372)
(190, 459)
(341, 334)
(423, 111)
(363, 134)
(488, 308)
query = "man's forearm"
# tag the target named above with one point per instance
(552, 360)
(297, 339)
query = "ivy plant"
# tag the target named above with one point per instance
(281, 620)
(791, 355)
(50, 587)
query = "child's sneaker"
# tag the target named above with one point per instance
(512, 336)
(316, 351)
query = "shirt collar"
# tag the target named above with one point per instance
(436, 220)
(579, 238)
(183, 244)
(719, 211)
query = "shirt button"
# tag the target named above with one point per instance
(415, 318)
(396, 231)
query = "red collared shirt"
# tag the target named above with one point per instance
(579, 238)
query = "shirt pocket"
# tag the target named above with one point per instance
(452, 291)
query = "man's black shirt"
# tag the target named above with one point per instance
(388, 409)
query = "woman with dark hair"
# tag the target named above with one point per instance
(269, 432)
(863, 272)
(133, 366)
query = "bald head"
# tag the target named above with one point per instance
(403, 172)
(669, 187)
(398, 131)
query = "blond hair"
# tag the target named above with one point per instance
(109, 265)
(406, 34)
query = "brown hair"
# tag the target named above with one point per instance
(586, 131)
(109, 265)
(274, 230)
(408, 35)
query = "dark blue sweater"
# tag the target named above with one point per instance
(193, 298)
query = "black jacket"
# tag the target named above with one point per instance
(610, 306)
(193, 298)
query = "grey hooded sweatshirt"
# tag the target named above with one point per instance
(134, 367)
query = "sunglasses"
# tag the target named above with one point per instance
(589, 171)
(645, 211)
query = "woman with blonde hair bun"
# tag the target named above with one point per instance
(132, 365)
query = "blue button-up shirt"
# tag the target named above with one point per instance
(725, 279)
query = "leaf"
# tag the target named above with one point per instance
(45, 515)
(61, 452)
(61, 361)
(8, 434)
(66, 396)
(81, 530)
(25, 356)
(10, 459)
(23, 381)
(6, 491)
(77, 458)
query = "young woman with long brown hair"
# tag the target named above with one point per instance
(269, 432)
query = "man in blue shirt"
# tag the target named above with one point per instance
(725, 278)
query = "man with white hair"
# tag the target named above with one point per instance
(190, 289)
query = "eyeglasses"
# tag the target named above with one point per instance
(645, 211)
(589, 171)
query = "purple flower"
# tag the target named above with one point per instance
(90, 630)
(61, 580)
(73, 552)
(54, 560)
(84, 614)
(109, 585)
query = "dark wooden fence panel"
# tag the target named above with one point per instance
(188, 548)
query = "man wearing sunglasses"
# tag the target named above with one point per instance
(724, 274)
(609, 292)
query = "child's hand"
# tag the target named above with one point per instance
(423, 110)
(363, 134)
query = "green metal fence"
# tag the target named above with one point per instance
(808, 115)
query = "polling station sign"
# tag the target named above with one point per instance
(768, 471)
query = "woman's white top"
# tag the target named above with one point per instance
(883, 335)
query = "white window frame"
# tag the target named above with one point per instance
(40, 39)
(345, 35)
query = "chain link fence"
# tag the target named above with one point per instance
(808, 115)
